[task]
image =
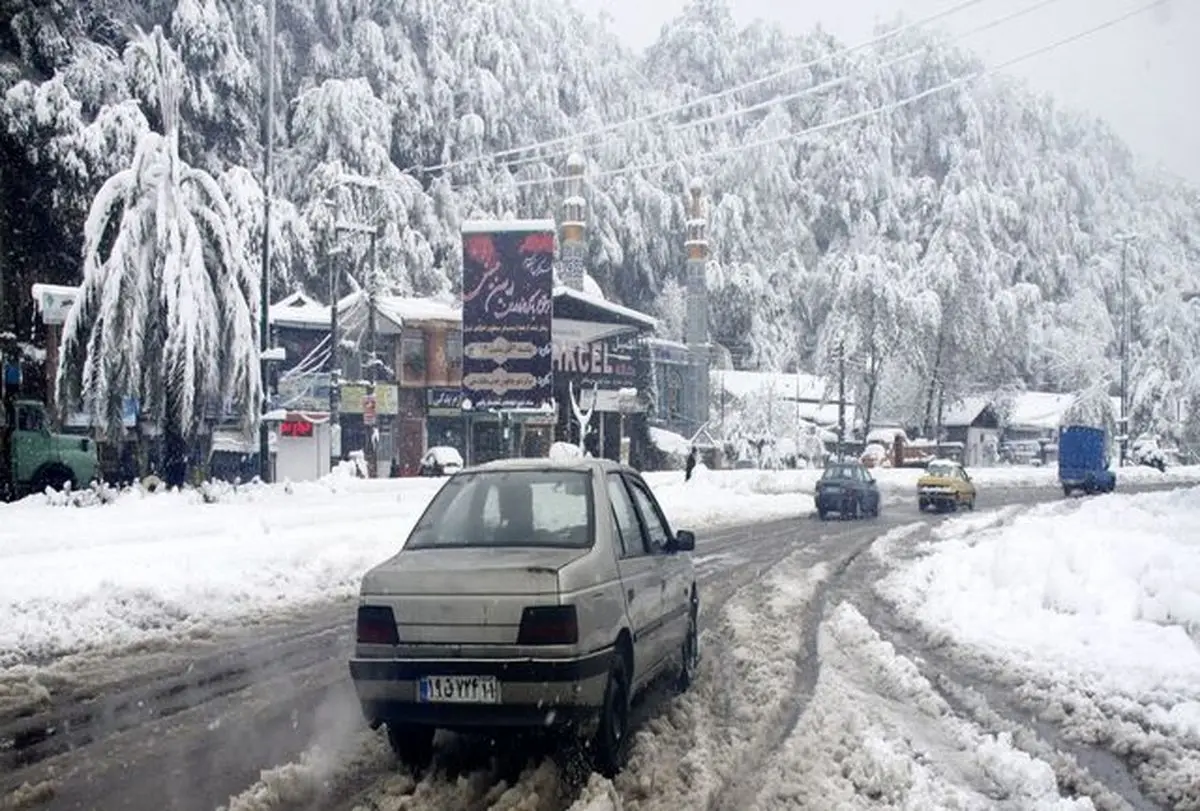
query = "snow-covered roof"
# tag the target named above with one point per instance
(601, 303)
(1038, 409)
(403, 309)
(786, 386)
(886, 435)
(499, 226)
(1043, 410)
(302, 310)
(964, 412)
(299, 310)
(54, 301)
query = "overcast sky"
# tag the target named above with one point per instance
(1142, 75)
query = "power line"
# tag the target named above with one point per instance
(720, 94)
(841, 80)
(863, 115)
(804, 93)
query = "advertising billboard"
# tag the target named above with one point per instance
(508, 307)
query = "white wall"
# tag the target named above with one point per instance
(301, 459)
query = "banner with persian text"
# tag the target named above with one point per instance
(508, 308)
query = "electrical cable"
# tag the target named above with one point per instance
(860, 116)
(664, 113)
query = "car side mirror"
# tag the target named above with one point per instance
(685, 541)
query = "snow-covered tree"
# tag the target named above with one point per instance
(168, 306)
(998, 207)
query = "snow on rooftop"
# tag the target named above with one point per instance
(299, 309)
(964, 412)
(505, 226)
(597, 300)
(1043, 410)
(402, 309)
(784, 385)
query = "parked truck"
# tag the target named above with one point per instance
(33, 458)
(1083, 460)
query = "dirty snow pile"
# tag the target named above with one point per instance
(1092, 608)
(149, 567)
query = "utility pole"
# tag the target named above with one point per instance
(841, 400)
(335, 370)
(1123, 422)
(372, 341)
(264, 327)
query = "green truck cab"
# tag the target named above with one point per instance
(33, 458)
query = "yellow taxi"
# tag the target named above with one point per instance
(945, 485)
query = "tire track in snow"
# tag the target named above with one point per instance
(465, 775)
(740, 793)
(974, 694)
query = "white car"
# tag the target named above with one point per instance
(531, 594)
(441, 460)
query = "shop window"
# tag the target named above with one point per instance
(673, 395)
(414, 360)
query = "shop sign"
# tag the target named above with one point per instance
(443, 400)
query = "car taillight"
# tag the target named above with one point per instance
(376, 625)
(549, 625)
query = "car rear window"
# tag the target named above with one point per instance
(940, 469)
(839, 472)
(541, 508)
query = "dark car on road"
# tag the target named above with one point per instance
(848, 489)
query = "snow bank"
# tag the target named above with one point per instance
(1092, 611)
(1107, 588)
(136, 568)
(148, 567)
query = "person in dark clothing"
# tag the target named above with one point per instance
(175, 463)
(690, 465)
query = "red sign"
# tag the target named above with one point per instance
(368, 403)
(296, 428)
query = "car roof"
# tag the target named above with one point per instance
(581, 464)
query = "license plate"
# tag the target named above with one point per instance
(459, 690)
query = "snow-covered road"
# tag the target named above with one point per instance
(814, 693)
(823, 685)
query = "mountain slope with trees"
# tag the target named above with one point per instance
(965, 242)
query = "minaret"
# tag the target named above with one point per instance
(574, 225)
(696, 329)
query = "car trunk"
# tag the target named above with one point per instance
(472, 596)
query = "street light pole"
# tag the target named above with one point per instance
(264, 327)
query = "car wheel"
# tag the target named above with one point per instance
(609, 744)
(690, 657)
(822, 515)
(412, 745)
(1066, 491)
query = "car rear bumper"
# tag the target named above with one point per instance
(832, 502)
(532, 692)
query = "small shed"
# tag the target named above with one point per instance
(974, 422)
